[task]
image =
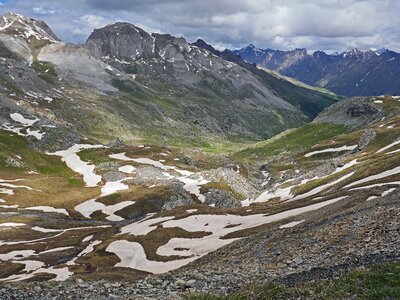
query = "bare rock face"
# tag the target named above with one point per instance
(127, 42)
(355, 113)
(221, 199)
(359, 109)
(122, 41)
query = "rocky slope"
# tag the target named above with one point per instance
(351, 73)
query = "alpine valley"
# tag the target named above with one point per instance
(141, 166)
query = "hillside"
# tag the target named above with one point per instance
(160, 209)
(351, 73)
(298, 94)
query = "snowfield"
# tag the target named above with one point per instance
(132, 255)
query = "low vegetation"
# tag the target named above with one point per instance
(293, 141)
(45, 70)
(378, 282)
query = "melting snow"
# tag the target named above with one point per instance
(384, 174)
(21, 119)
(35, 133)
(87, 239)
(133, 256)
(6, 191)
(45, 230)
(375, 185)
(59, 249)
(88, 207)
(73, 161)
(49, 209)
(17, 254)
(389, 191)
(190, 185)
(321, 188)
(291, 224)
(25, 123)
(11, 224)
(286, 193)
(112, 187)
(87, 250)
(338, 149)
(193, 186)
(388, 146)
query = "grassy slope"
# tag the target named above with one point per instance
(310, 102)
(207, 116)
(297, 82)
(53, 182)
(295, 140)
(12, 145)
(378, 282)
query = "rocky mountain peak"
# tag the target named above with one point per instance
(319, 54)
(122, 41)
(302, 51)
(357, 53)
(252, 49)
(128, 42)
(380, 51)
(20, 26)
(204, 45)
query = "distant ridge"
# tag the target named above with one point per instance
(350, 73)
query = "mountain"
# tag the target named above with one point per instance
(298, 94)
(138, 85)
(351, 73)
(17, 26)
(135, 166)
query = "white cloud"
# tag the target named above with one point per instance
(43, 11)
(93, 21)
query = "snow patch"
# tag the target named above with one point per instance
(291, 224)
(338, 149)
(49, 209)
(73, 161)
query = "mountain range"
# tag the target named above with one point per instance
(148, 85)
(351, 73)
(141, 166)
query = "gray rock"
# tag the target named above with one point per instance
(221, 199)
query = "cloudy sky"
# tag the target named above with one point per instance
(331, 25)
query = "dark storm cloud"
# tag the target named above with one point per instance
(286, 24)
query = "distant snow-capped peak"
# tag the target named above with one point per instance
(20, 26)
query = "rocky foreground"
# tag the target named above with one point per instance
(357, 235)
